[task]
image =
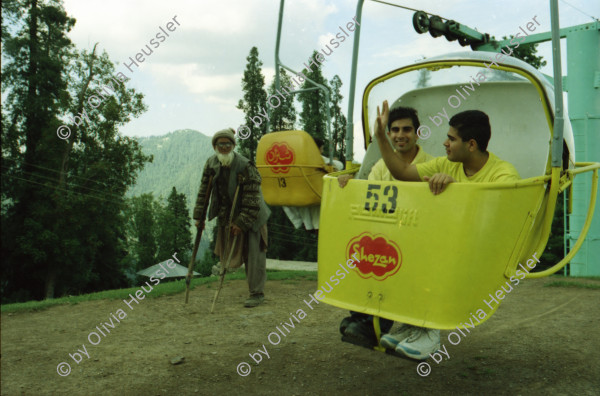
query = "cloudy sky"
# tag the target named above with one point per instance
(193, 79)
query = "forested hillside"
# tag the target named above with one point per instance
(179, 157)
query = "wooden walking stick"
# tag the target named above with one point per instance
(199, 231)
(228, 230)
(224, 271)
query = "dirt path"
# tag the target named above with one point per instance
(542, 341)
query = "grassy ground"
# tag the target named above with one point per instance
(537, 343)
(162, 289)
(565, 283)
(177, 286)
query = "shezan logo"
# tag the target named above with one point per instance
(377, 256)
(279, 154)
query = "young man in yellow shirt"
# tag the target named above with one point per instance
(467, 157)
(467, 160)
(402, 124)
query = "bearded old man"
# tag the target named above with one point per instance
(231, 170)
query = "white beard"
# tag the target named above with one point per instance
(224, 159)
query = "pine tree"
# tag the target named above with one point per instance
(524, 52)
(174, 228)
(313, 116)
(339, 121)
(283, 116)
(424, 77)
(527, 53)
(143, 228)
(253, 104)
(33, 77)
(61, 215)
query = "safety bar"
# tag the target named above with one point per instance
(585, 167)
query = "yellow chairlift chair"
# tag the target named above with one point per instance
(291, 168)
(434, 261)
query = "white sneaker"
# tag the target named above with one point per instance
(390, 340)
(421, 342)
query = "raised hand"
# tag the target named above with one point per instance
(382, 120)
(343, 179)
(235, 230)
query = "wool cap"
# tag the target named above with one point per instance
(224, 133)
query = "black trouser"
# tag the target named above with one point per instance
(384, 324)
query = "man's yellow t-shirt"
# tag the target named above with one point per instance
(381, 172)
(494, 170)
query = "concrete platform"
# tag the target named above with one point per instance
(274, 264)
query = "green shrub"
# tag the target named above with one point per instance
(205, 264)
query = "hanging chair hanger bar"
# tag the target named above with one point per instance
(557, 135)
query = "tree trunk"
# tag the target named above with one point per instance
(50, 282)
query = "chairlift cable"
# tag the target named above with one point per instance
(286, 238)
(406, 8)
(62, 189)
(594, 18)
(40, 176)
(55, 171)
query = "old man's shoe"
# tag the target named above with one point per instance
(254, 301)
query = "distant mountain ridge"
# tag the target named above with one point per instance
(179, 158)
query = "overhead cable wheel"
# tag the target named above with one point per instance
(421, 22)
(463, 41)
(451, 26)
(436, 21)
(450, 36)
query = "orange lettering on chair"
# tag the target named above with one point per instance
(279, 154)
(378, 257)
